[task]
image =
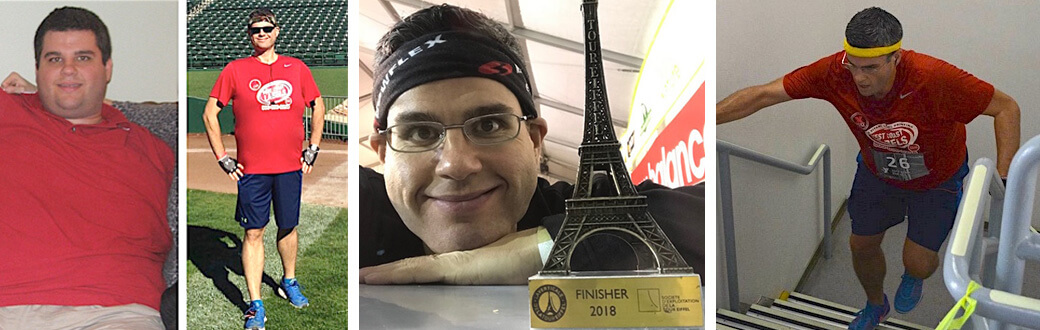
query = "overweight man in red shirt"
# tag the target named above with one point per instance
(908, 112)
(83, 191)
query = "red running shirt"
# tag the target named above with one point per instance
(268, 102)
(82, 208)
(914, 137)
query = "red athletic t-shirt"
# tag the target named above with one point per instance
(914, 137)
(268, 102)
(82, 208)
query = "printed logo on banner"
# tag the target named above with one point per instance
(676, 157)
(275, 95)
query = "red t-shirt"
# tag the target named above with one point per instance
(268, 102)
(82, 208)
(914, 137)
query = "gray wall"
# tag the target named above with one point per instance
(144, 44)
(778, 213)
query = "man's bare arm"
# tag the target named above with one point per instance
(16, 84)
(317, 120)
(209, 117)
(317, 128)
(1006, 128)
(747, 101)
(509, 260)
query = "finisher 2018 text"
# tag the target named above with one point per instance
(601, 294)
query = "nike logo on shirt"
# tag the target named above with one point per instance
(903, 96)
(288, 65)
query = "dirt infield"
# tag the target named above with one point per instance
(325, 185)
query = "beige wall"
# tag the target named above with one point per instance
(144, 44)
(777, 213)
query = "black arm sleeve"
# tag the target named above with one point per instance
(383, 236)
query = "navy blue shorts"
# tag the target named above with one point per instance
(257, 193)
(875, 206)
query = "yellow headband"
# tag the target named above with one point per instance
(871, 52)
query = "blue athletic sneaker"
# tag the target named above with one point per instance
(908, 294)
(870, 316)
(255, 316)
(292, 290)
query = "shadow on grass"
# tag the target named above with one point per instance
(216, 259)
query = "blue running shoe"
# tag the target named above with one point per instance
(292, 290)
(255, 316)
(870, 316)
(908, 294)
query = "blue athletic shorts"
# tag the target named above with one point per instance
(875, 206)
(257, 193)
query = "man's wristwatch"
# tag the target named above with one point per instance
(310, 154)
(228, 164)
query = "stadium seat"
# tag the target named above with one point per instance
(313, 30)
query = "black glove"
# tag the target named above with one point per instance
(310, 154)
(228, 164)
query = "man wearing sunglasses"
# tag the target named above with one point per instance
(268, 93)
(460, 200)
(908, 112)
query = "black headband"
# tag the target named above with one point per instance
(445, 55)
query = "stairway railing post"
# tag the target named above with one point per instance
(1018, 206)
(827, 203)
(726, 198)
(725, 150)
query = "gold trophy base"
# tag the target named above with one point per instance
(616, 300)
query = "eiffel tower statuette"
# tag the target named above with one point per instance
(667, 297)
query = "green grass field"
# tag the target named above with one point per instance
(216, 288)
(331, 81)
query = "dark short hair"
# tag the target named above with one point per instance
(74, 19)
(261, 15)
(444, 18)
(873, 27)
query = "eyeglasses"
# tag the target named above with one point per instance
(869, 69)
(428, 135)
(266, 29)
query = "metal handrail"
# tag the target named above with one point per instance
(724, 150)
(998, 298)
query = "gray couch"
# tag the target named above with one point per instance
(162, 120)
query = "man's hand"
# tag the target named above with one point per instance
(510, 260)
(231, 167)
(308, 156)
(16, 84)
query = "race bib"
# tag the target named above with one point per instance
(899, 166)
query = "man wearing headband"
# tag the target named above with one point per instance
(908, 112)
(268, 93)
(460, 200)
(83, 191)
